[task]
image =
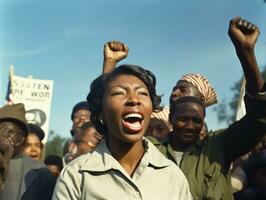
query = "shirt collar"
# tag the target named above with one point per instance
(101, 158)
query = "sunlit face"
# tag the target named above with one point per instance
(12, 134)
(80, 117)
(157, 128)
(187, 122)
(184, 88)
(127, 108)
(86, 141)
(33, 146)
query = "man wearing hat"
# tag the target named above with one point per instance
(33, 145)
(20, 173)
(13, 130)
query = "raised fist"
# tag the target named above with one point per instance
(115, 50)
(243, 34)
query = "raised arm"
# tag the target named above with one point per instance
(113, 52)
(244, 134)
(244, 36)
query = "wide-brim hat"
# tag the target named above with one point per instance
(15, 113)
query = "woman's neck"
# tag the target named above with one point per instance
(128, 155)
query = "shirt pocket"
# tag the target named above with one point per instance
(212, 185)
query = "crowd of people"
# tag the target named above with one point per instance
(125, 145)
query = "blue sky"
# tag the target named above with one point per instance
(63, 40)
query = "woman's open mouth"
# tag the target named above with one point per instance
(133, 122)
(34, 156)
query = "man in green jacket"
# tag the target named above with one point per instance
(206, 163)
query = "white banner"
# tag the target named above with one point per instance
(241, 108)
(36, 95)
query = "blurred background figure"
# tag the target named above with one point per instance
(26, 178)
(13, 131)
(159, 126)
(33, 146)
(255, 169)
(54, 163)
(80, 114)
(239, 178)
(86, 139)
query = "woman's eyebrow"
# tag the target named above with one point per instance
(140, 87)
(125, 86)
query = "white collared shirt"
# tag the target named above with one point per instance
(98, 175)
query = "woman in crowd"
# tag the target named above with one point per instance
(124, 165)
(33, 145)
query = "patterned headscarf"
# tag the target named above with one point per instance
(204, 87)
(163, 115)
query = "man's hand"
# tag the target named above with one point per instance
(243, 34)
(6, 153)
(115, 50)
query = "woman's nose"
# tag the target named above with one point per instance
(133, 100)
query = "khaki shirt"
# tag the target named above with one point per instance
(99, 176)
(206, 163)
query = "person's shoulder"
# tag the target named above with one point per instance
(159, 159)
(31, 163)
(86, 159)
(78, 162)
(212, 133)
(156, 141)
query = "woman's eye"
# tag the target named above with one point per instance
(144, 93)
(117, 93)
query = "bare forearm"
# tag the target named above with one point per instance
(108, 65)
(254, 79)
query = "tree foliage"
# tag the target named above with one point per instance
(226, 110)
(54, 145)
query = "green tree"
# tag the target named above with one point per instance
(54, 145)
(226, 111)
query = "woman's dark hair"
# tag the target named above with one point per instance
(99, 85)
(185, 99)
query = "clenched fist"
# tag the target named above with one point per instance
(115, 50)
(243, 34)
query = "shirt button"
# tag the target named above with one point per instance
(136, 194)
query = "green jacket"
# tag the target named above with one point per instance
(206, 163)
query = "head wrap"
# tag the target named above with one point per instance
(205, 88)
(163, 115)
